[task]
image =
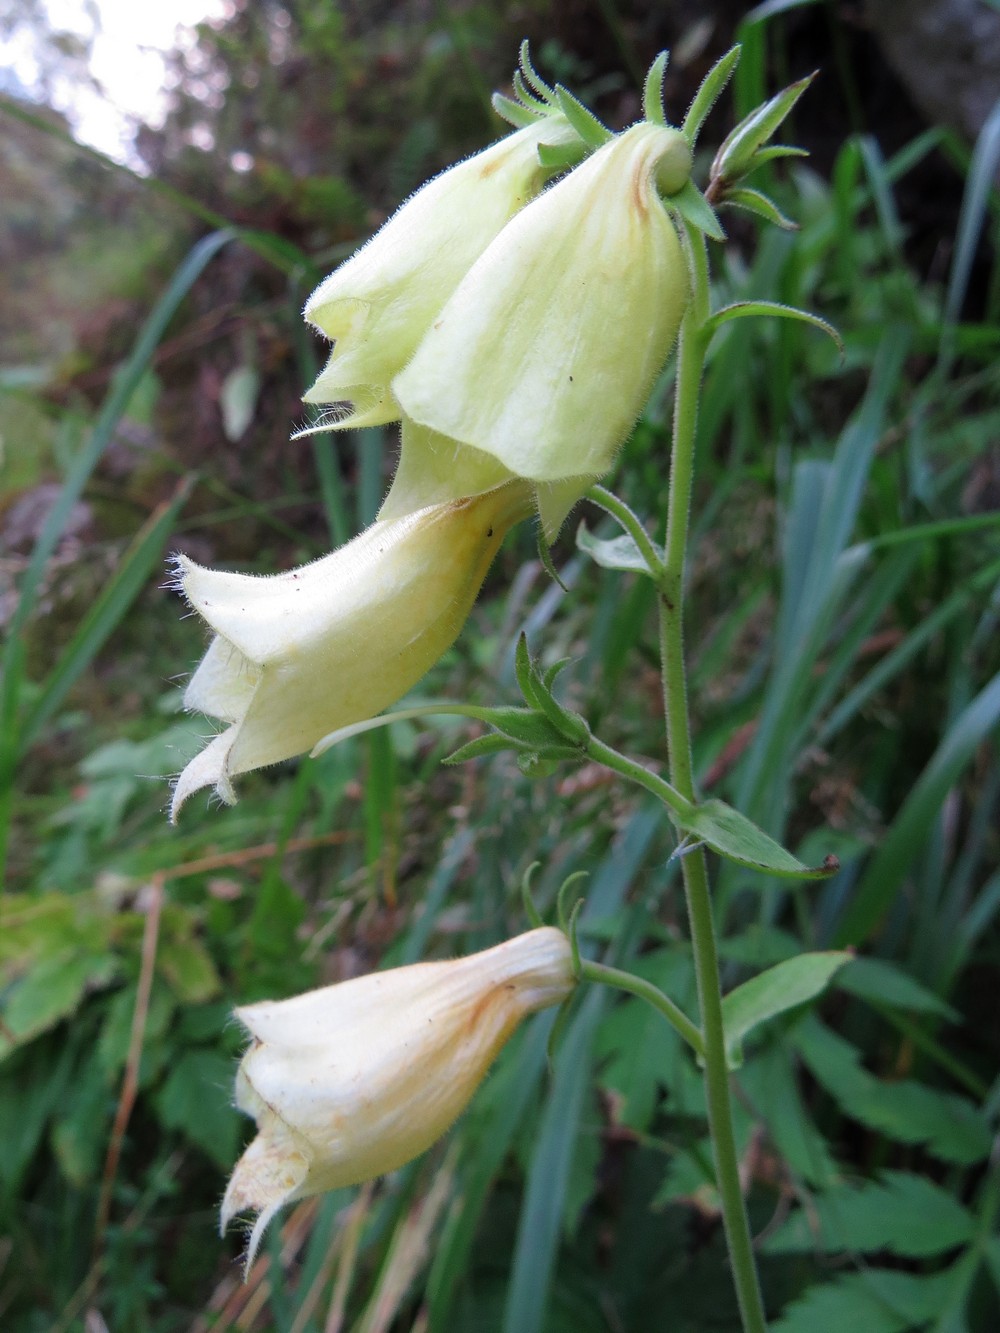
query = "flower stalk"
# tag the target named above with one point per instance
(690, 368)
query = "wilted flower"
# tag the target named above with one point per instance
(300, 654)
(351, 1081)
(545, 354)
(379, 303)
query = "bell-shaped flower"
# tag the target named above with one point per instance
(379, 303)
(545, 354)
(352, 1081)
(300, 654)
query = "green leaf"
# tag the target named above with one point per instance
(613, 552)
(948, 1126)
(51, 991)
(80, 1131)
(695, 208)
(735, 157)
(760, 204)
(31, 1090)
(111, 1049)
(882, 983)
(737, 838)
(196, 1099)
(769, 1082)
(747, 309)
(902, 1213)
(877, 1300)
(782, 987)
(188, 968)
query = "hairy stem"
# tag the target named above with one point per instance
(690, 368)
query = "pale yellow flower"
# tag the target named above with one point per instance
(352, 1081)
(544, 356)
(380, 302)
(300, 654)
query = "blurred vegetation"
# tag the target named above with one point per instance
(845, 683)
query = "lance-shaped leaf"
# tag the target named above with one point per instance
(614, 552)
(747, 309)
(737, 838)
(738, 154)
(782, 987)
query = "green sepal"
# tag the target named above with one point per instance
(737, 154)
(479, 748)
(524, 672)
(527, 901)
(746, 309)
(545, 556)
(513, 112)
(695, 208)
(712, 87)
(652, 93)
(525, 95)
(782, 987)
(756, 202)
(529, 727)
(531, 75)
(565, 918)
(554, 671)
(614, 552)
(560, 157)
(569, 726)
(586, 124)
(732, 835)
(774, 152)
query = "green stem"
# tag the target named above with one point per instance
(645, 990)
(642, 777)
(619, 510)
(690, 368)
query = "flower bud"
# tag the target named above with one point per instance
(546, 353)
(352, 1081)
(379, 303)
(300, 654)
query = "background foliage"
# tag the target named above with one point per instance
(845, 694)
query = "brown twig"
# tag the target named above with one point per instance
(130, 1079)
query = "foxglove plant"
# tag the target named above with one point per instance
(515, 334)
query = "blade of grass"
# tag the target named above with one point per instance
(903, 845)
(541, 1213)
(128, 581)
(114, 407)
